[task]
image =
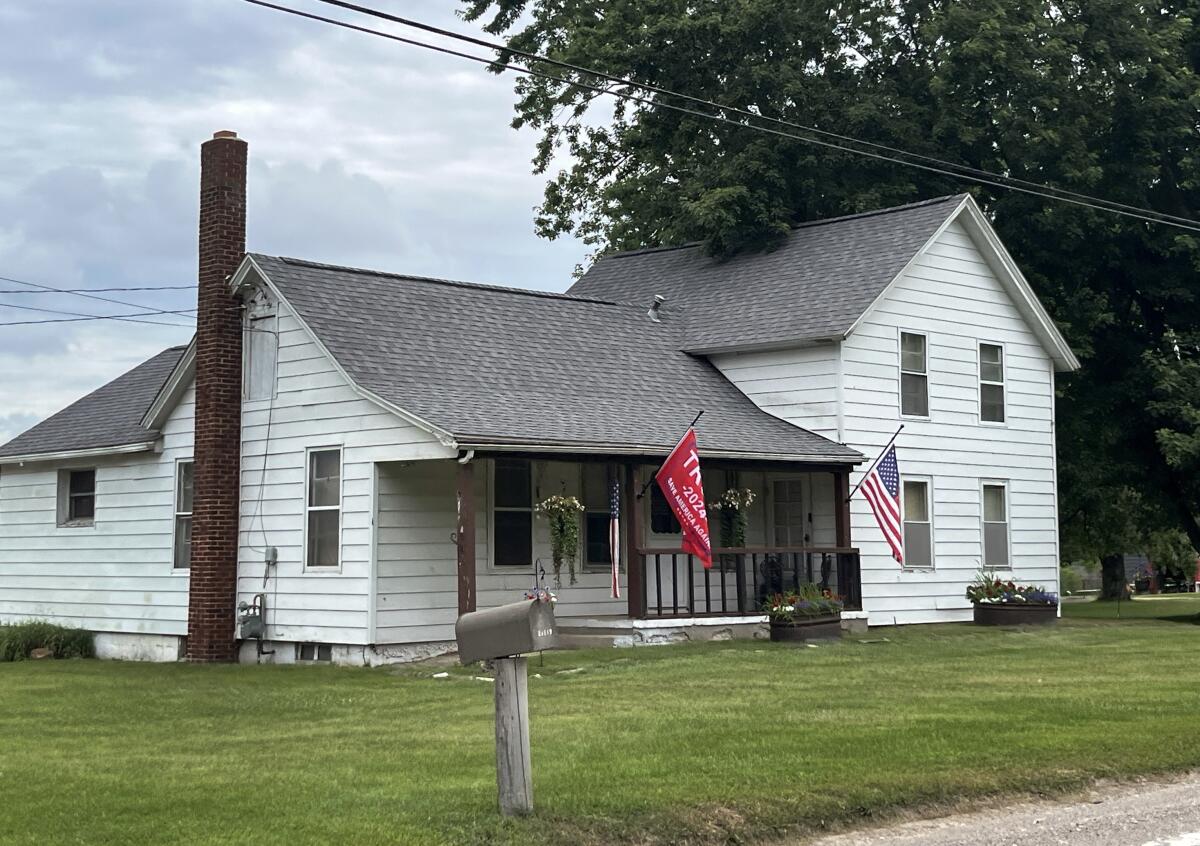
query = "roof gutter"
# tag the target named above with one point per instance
(66, 455)
(650, 450)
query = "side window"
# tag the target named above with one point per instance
(918, 527)
(597, 516)
(991, 383)
(261, 350)
(995, 525)
(662, 518)
(77, 497)
(323, 509)
(914, 375)
(512, 513)
(183, 515)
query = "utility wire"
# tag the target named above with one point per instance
(130, 318)
(993, 179)
(98, 290)
(646, 86)
(49, 288)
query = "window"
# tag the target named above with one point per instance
(918, 527)
(77, 497)
(662, 518)
(991, 383)
(512, 513)
(261, 342)
(995, 525)
(183, 515)
(788, 504)
(914, 378)
(597, 516)
(324, 509)
(314, 652)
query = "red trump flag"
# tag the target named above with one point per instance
(679, 479)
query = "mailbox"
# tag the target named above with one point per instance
(508, 630)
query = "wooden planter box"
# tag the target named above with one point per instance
(828, 627)
(1014, 614)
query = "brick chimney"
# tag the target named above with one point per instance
(213, 579)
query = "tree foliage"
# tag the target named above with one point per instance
(1094, 96)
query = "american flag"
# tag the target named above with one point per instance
(881, 487)
(614, 535)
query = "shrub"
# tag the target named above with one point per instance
(18, 640)
(1069, 579)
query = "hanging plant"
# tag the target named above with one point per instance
(732, 508)
(563, 514)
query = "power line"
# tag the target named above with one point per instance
(99, 290)
(992, 179)
(50, 288)
(75, 316)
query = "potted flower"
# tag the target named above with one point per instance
(562, 512)
(804, 614)
(1006, 603)
(732, 508)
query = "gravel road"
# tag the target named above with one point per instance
(1144, 814)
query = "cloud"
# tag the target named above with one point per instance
(363, 152)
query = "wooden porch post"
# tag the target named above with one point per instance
(841, 491)
(465, 537)
(634, 591)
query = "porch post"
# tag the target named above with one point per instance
(841, 492)
(634, 592)
(465, 537)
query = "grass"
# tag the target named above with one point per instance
(710, 743)
(1172, 607)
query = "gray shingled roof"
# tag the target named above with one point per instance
(815, 285)
(497, 365)
(108, 417)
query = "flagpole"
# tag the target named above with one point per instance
(646, 486)
(882, 452)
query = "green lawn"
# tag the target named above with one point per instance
(669, 744)
(1174, 607)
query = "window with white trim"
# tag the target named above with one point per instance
(184, 488)
(914, 375)
(597, 516)
(918, 524)
(260, 345)
(991, 383)
(512, 513)
(323, 509)
(995, 525)
(77, 497)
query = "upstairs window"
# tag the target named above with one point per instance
(512, 513)
(995, 525)
(77, 497)
(323, 546)
(183, 515)
(918, 527)
(991, 383)
(914, 375)
(260, 349)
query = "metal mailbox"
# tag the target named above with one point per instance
(507, 630)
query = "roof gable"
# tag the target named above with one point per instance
(106, 420)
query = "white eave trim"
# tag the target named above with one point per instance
(239, 280)
(1008, 274)
(172, 390)
(648, 450)
(66, 455)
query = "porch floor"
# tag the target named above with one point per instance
(621, 631)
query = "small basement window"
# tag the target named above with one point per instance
(77, 497)
(314, 652)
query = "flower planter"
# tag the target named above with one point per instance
(828, 627)
(1014, 614)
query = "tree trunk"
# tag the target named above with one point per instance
(1112, 576)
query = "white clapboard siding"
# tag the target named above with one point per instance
(116, 576)
(315, 407)
(952, 295)
(795, 384)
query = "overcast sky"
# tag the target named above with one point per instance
(362, 152)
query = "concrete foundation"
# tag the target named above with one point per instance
(138, 647)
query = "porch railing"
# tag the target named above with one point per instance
(674, 584)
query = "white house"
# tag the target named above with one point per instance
(359, 452)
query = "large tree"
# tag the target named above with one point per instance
(1093, 96)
